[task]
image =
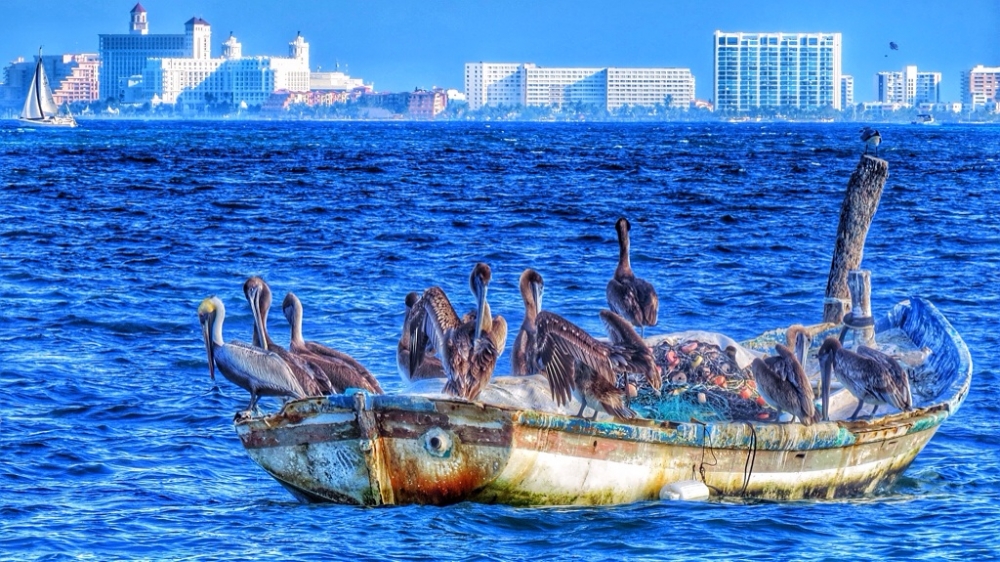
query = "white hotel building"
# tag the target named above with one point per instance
(232, 78)
(179, 69)
(517, 84)
(777, 70)
(124, 55)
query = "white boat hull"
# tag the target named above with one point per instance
(60, 122)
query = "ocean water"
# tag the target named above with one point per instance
(115, 445)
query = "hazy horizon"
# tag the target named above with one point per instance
(401, 45)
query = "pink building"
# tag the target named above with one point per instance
(427, 104)
(981, 86)
(72, 78)
(83, 82)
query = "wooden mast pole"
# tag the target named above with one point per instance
(860, 203)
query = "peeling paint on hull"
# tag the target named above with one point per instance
(390, 450)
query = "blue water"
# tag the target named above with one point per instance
(114, 445)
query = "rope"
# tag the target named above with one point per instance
(852, 322)
(751, 458)
(858, 322)
(715, 460)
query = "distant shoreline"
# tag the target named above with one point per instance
(214, 118)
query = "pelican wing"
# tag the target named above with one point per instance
(649, 303)
(622, 299)
(413, 329)
(439, 319)
(899, 382)
(312, 379)
(635, 299)
(345, 363)
(868, 375)
(560, 345)
(340, 374)
(635, 356)
(333, 354)
(789, 369)
(485, 353)
(498, 334)
(262, 370)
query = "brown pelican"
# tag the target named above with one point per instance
(629, 296)
(870, 375)
(258, 294)
(340, 369)
(871, 137)
(430, 366)
(523, 357)
(578, 365)
(468, 350)
(260, 372)
(783, 383)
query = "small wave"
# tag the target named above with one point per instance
(142, 159)
(235, 205)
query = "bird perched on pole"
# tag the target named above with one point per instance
(871, 137)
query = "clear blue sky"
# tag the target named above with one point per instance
(402, 44)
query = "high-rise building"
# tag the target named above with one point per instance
(846, 91)
(515, 84)
(777, 70)
(908, 87)
(493, 83)
(125, 55)
(980, 86)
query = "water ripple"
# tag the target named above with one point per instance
(117, 445)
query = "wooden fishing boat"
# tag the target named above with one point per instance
(413, 449)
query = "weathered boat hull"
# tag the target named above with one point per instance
(388, 450)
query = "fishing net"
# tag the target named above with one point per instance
(701, 381)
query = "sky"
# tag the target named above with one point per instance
(400, 45)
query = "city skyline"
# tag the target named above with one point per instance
(400, 45)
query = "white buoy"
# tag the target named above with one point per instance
(684, 490)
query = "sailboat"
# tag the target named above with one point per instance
(39, 108)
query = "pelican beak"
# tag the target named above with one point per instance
(481, 290)
(537, 289)
(800, 348)
(826, 364)
(207, 319)
(258, 321)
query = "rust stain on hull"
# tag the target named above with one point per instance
(443, 456)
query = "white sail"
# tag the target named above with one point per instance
(49, 107)
(32, 110)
